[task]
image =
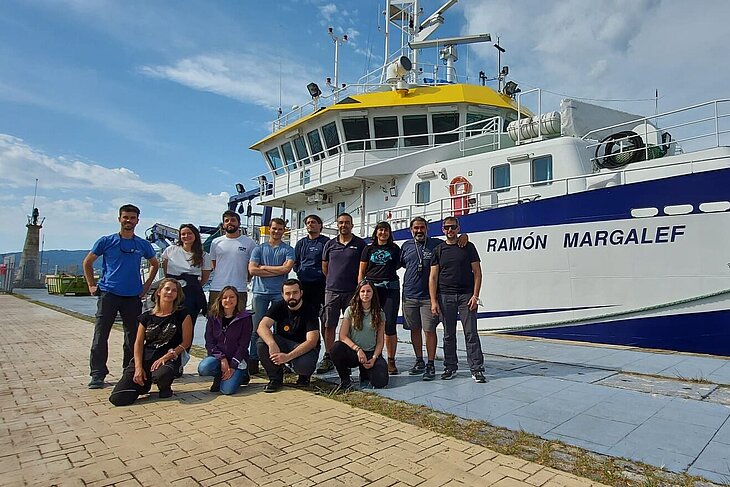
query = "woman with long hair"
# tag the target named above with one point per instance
(187, 261)
(361, 340)
(379, 264)
(227, 337)
(164, 332)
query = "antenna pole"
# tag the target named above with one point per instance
(35, 192)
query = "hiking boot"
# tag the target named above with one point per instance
(418, 368)
(273, 386)
(216, 386)
(325, 365)
(96, 383)
(448, 374)
(165, 393)
(303, 381)
(392, 369)
(430, 372)
(478, 377)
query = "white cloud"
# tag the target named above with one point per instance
(244, 77)
(328, 11)
(80, 200)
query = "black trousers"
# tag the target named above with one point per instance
(127, 391)
(107, 307)
(302, 365)
(345, 359)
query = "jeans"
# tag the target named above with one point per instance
(107, 307)
(211, 367)
(451, 305)
(261, 303)
(302, 365)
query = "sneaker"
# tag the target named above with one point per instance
(303, 381)
(418, 368)
(325, 365)
(448, 374)
(272, 386)
(246, 379)
(392, 369)
(165, 393)
(216, 386)
(253, 366)
(430, 372)
(478, 377)
(345, 386)
(96, 383)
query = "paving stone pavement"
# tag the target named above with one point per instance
(55, 431)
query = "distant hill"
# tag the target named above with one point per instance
(68, 261)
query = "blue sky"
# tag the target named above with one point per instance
(156, 103)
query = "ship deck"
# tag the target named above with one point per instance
(666, 409)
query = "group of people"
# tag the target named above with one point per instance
(341, 281)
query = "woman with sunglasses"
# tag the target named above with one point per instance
(361, 340)
(163, 334)
(379, 264)
(227, 338)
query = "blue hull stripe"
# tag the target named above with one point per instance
(600, 205)
(523, 312)
(707, 333)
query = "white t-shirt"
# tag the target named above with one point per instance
(231, 256)
(179, 261)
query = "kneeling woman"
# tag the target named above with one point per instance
(163, 334)
(227, 338)
(361, 340)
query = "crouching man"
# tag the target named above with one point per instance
(294, 339)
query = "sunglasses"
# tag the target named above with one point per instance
(451, 227)
(132, 248)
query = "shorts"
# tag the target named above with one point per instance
(335, 303)
(417, 314)
(390, 303)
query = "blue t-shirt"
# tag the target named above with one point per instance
(265, 254)
(309, 259)
(121, 259)
(415, 279)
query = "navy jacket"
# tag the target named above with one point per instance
(231, 344)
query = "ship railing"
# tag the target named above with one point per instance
(689, 129)
(333, 162)
(399, 217)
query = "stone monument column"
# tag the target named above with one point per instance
(28, 273)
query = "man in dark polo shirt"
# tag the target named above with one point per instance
(341, 264)
(294, 341)
(454, 285)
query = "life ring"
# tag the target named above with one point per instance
(459, 189)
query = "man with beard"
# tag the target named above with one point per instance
(120, 289)
(341, 264)
(229, 256)
(294, 341)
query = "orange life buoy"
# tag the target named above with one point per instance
(459, 189)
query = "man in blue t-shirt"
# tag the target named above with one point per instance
(416, 258)
(270, 264)
(120, 289)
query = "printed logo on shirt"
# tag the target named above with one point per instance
(381, 257)
(241, 248)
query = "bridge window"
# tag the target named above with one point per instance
(288, 156)
(423, 192)
(445, 122)
(386, 132)
(475, 123)
(331, 138)
(275, 162)
(415, 130)
(301, 149)
(357, 129)
(315, 142)
(542, 169)
(500, 177)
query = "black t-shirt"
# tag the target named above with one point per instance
(455, 274)
(162, 333)
(293, 325)
(383, 262)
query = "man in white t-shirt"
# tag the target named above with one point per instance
(229, 256)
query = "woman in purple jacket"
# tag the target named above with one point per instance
(227, 337)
